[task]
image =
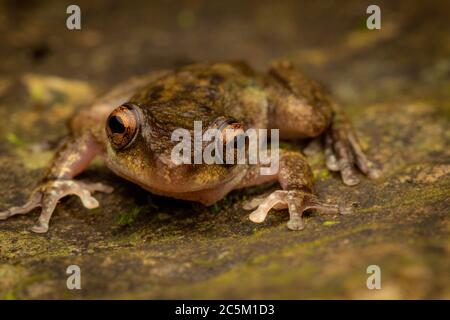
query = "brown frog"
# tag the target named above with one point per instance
(130, 128)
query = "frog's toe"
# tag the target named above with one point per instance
(312, 202)
(40, 228)
(348, 175)
(92, 187)
(330, 157)
(83, 191)
(255, 202)
(49, 201)
(33, 202)
(364, 164)
(252, 204)
(276, 200)
(88, 201)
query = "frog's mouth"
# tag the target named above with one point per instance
(177, 179)
(206, 194)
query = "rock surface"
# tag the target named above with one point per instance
(394, 83)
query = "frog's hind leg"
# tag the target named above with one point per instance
(301, 108)
(343, 151)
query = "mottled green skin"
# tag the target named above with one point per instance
(204, 92)
(212, 93)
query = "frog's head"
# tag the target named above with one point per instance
(141, 146)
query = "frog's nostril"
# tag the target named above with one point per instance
(116, 124)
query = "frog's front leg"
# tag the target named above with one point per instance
(296, 180)
(71, 159)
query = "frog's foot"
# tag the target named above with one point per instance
(296, 201)
(344, 153)
(48, 195)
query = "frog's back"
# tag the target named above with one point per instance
(177, 98)
(204, 91)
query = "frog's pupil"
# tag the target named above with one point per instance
(116, 125)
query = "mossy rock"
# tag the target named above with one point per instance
(394, 85)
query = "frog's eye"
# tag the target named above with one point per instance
(234, 142)
(231, 132)
(122, 126)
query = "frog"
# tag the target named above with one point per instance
(129, 128)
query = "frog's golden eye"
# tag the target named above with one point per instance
(231, 132)
(122, 126)
(233, 136)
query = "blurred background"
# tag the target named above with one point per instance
(329, 38)
(393, 82)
